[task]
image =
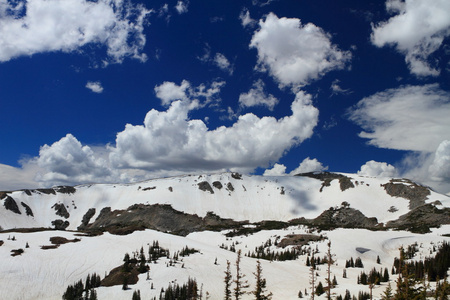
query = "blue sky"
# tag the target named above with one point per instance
(121, 91)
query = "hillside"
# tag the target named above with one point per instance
(214, 214)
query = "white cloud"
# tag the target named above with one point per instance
(12, 178)
(44, 26)
(293, 53)
(170, 91)
(223, 63)
(407, 118)
(417, 31)
(277, 170)
(377, 169)
(256, 96)
(245, 18)
(182, 7)
(309, 165)
(95, 86)
(336, 88)
(169, 140)
(440, 167)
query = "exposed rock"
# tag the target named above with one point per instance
(65, 189)
(46, 191)
(16, 252)
(59, 240)
(11, 205)
(28, 210)
(1, 243)
(158, 217)
(344, 181)
(230, 187)
(344, 217)
(416, 194)
(61, 210)
(149, 188)
(205, 186)
(170, 189)
(60, 224)
(87, 217)
(298, 240)
(236, 176)
(217, 185)
(421, 219)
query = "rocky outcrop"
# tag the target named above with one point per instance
(421, 219)
(326, 178)
(86, 218)
(158, 217)
(60, 224)
(10, 204)
(344, 217)
(61, 210)
(28, 210)
(205, 186)
(416, 194)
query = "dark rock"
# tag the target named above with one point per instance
(344, 181)
(149, 188)
(236, 176)
(230, 187)
(344, 217)
(298, 240)
(217, 185)
(28, 210)
(205, 186)
(61, 210)
(416, 194)
(421, 219)
(65, 189)
(11, 205)
(87, 217)
(47, 191)
(60, 224)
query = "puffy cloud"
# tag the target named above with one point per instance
(169, 140)
(245, 18)
(256, 96)
(222, 62)
(377, 169)
(440, 167)
(417, 30)
(95, 86)
(277, 170)
(182, 7)
(44, 26)
(406, 118)
(68, 161)
(170, 91)
(293, 53)
(309, 165)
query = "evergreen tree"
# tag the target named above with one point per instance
(240, 283)
(319, 289)
(228, 280)
(387, 294)
(259, 292)
(136, 295)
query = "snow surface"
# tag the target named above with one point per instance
(45, 274)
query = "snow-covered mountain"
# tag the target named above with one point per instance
(198, 212)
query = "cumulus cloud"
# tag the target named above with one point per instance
(440, 167)
(68, 161)
(277, 170)
(256, 97)
(417, 30)
(182, 7)
(293, 53)
(377, 169)
(42, 26)
(307, 165)
(95, 86)
(200, 95)
(223, 63)
(245, 18)
(170, 140)
(12, 178)
(406, 118)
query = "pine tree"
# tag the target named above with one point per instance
(259, 292)
(136, 295)
(312, 275)
(329, 263)
(240, 283)
(387, 294)
(228, 280)
(319, 289)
